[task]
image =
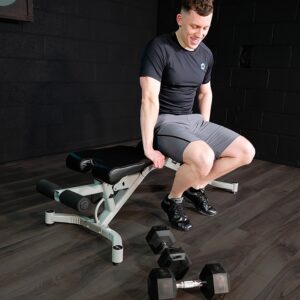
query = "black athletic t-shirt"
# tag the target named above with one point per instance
(181, 72)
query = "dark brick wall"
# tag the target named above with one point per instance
(69, 79)
(256, 77)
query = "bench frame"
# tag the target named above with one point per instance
(114, 197)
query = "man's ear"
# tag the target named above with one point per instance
(179, 19)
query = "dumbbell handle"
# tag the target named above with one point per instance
(163, 246)
(188, 284)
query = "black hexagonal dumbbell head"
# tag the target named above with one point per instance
(217, 281)
(161, 284)
(160, 239)
(176, 260)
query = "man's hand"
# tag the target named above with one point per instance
(157, 157)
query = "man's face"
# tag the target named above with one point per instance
(192, 28)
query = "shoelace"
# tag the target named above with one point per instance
(201, 194)
(178, 211)
(203, 198)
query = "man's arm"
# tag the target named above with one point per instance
(205, 100)
(148, 117)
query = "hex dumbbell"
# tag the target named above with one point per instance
(161, 240)
(213, 280)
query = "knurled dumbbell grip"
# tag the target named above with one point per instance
(188, 284)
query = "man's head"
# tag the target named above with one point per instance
(201, 7)
(194, 21)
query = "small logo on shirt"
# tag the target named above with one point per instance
(202, 66)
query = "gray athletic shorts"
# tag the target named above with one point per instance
(174, 132)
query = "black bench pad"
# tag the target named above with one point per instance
(109, 164)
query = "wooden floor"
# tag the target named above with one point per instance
(255, 236)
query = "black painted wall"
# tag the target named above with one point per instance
(256, 78)
(69, 79)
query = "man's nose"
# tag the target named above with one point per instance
(200, 33)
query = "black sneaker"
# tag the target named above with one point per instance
(200, 201)
(177, 217)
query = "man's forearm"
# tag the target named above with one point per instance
(148, 118)
(205, 102)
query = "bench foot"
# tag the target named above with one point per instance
(52, 217)
(232, 187)
(117, 254)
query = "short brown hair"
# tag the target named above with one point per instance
(201, 7)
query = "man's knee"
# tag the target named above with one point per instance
(248, 153)
(242, 150)
(200, 157)
(245, 151)
(203, 164)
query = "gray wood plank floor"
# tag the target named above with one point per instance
(255, 236)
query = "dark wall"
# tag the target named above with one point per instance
(166, 16)
(69, 79)
(256, 78)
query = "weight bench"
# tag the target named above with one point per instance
(117, 172)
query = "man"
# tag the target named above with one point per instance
(175, 68)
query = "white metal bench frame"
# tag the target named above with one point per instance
(114, 197)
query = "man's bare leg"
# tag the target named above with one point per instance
(193, 174)
(199, 168)
(198, 160)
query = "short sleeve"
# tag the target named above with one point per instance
(207, 76)
(153, 60)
